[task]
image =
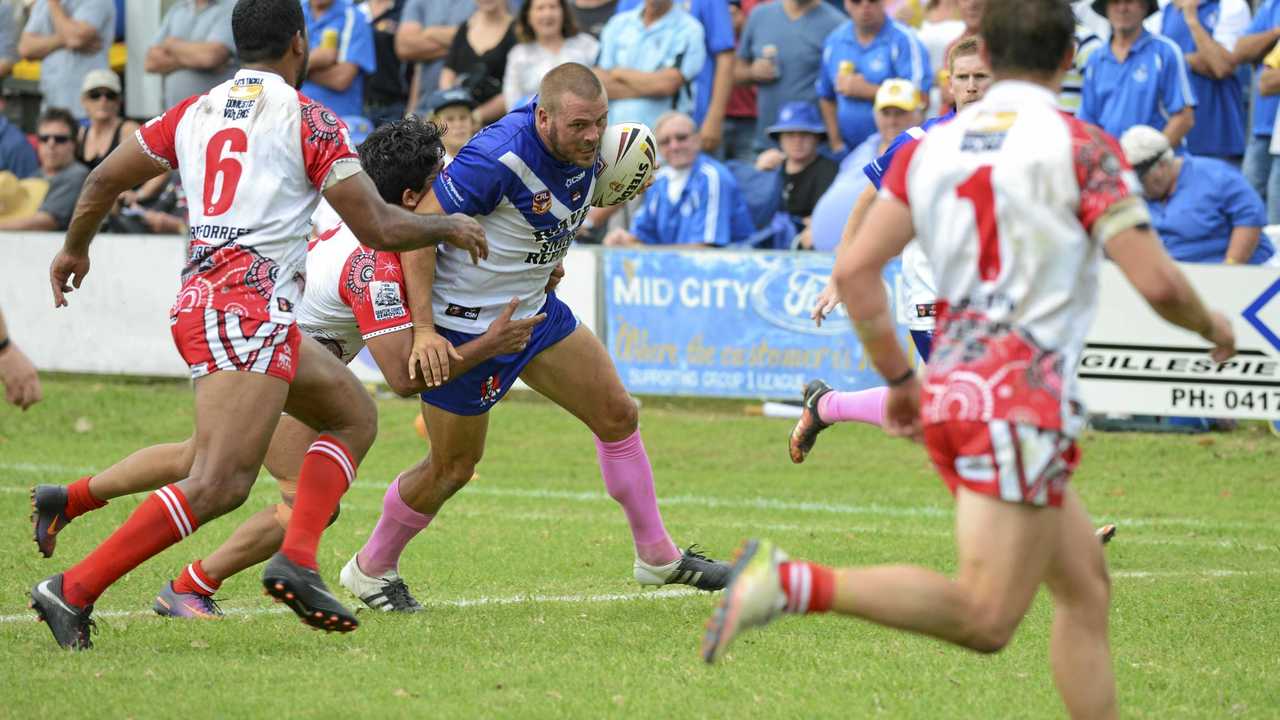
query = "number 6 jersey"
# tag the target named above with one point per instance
(254, 155)
(1012, 202)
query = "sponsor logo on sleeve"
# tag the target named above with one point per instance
(387, 303)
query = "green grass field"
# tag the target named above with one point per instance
(532, 611)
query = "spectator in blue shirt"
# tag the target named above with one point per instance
(780, 52)
(649, 57)
(341, 55)
(715, 82)
(1137, 78)
(1207, 32)
(1259, 43)
(858, 56)
(16, 154)
(693, 201)
(1202, 208)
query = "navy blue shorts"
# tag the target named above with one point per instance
(484, 385)
(924, 343)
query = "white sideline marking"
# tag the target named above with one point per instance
(459, 603)
(630, 597)
(756, 503)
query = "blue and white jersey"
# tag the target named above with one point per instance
(876, 169)
(530, 206)
(917, 276)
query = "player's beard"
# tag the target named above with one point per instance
(568, 153)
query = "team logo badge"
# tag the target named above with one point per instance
(261, 276)
(321, 123)
(489, 389)
(542, 202)
(1140, 75)
(360, 272)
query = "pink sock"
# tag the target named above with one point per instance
(865, 406)
(629, 479)
(397, 525)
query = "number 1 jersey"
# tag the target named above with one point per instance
(254, 155)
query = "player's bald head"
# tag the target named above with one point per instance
(1028, 37)
(571, 78)
(263, 29)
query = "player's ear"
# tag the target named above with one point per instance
(299, 43)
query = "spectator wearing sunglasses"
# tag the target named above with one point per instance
(193, 50)
(69, 38)
(56, 132)
(100, 96)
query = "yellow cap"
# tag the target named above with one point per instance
(898, 93)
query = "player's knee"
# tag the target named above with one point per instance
(990, 630)
(620, 419)
(215, 493)
(455, 471)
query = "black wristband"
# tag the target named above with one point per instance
(904, 379)
(4, 345)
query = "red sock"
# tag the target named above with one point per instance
(327, 472)
(809, 587)
(193, 579)
(161, 520)
(80, 500)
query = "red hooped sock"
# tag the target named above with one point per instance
(193, 579)
(80, 499)
(327, 471)
(161, 520)
(809, 587)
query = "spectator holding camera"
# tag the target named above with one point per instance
(193, 50)
(780, 52)
(69, 38)
(694, 200)
(1203, 209)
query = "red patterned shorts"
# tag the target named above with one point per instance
(211, 340)
(1009, 461)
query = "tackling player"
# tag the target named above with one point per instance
(528, 179)
(255, 156)
(354, 295)
(1015, 204)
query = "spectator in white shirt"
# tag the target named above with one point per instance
(548, 37)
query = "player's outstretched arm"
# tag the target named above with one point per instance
(384, 227)
(828, 299)
(887, 229)
(1144, 262)
(504, 337)
(126, 167)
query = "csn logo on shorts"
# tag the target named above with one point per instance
(386, 301)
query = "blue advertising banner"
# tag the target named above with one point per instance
(730, 324)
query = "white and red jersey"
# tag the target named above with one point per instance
(353, 292)
(1012, 203)
(254, 155)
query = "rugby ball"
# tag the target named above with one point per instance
(628, 157)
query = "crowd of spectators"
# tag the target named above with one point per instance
(764, 109)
